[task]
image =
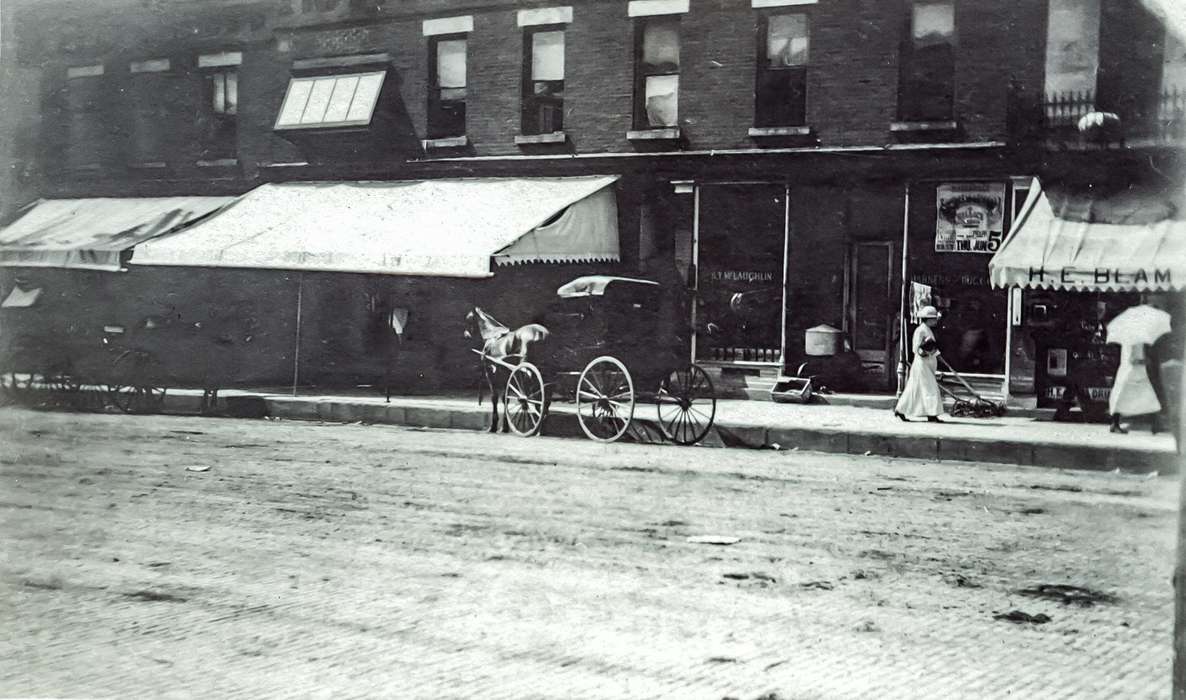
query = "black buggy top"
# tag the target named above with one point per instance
(612, 340)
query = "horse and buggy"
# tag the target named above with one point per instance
(606, 343)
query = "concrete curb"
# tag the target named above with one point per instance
(562, 423)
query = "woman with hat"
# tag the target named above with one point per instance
(921, 396)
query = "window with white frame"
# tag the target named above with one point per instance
(330, 101)
(657, 63)
(926, 86)
(543, 80)
(447, 85)
(780, 96)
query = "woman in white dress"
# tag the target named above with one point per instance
(921, 396)
(1132, 392)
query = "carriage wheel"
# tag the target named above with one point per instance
(687, 405)
(17, 387)
(525, 403)
(605, 399)
(133, 389)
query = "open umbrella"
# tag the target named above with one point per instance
(1139, 325)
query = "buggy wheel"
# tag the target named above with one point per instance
(605, 399)
(133, 388)
(687, 405)
(525, 402)
(17, 387)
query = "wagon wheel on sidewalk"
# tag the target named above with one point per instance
(134, 387)
(525, 402)
(687, 405)
(605, 399)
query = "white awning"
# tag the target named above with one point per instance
(1135, 241)
(450, 228)
(91, 233)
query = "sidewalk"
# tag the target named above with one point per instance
(765, 425)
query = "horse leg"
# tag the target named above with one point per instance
(493, 402)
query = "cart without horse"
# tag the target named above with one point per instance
(608, 349)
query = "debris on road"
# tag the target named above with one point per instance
(867, 626)
(756, 575)
(961, 581)
(817, 585)
(1020, 617)
(713, 539)
(1067, 594)
(198, 468)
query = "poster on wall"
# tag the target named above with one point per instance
(971, 217)
(920, 296)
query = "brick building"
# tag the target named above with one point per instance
(787, 159)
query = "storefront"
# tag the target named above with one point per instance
(1075, 259)
(953, 230)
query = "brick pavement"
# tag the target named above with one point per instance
(347, 560)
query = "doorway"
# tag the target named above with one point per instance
(871, 306)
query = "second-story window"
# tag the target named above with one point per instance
(543, 81)
(87, 142)
(150, 90)
(219, 116)
(656, 89)
(780, 97)
(447, 86)
(926, 88)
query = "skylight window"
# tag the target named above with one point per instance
(319, 102)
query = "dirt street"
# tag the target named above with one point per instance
(351, 560)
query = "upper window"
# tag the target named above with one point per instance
(220, 129)
(329, 101)
(150, 91)
(781, 91)
(447, 86)
(86, 140)
(543, 81)
(926, 88)
(656, 87)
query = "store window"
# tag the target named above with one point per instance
(781, 91)
(657, 56)
(926, 86)
(543, 81)
(447, 86)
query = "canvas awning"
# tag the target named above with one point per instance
(451, 228)
(91, 233)
(1132, 241)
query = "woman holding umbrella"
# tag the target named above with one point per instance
(1134, 330)
(920, 396)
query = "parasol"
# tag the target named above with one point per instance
(1139, 325)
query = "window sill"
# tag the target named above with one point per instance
(758, 132)
(450, 142)
(913, 126)
(218, 163)
(541, 139)
(671, 133)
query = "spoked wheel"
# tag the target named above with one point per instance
(687, 405)
(66, 387)
(133, 388)
(525, 403)
(17, 387)
(605, 399)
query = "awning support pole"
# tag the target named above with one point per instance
(296, 352)
(1179, 580)
(695, 263)
(903, 309)
(786, 253)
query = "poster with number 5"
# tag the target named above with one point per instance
(971, 217)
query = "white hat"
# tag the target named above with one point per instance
(928, 312)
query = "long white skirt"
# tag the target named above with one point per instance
(921, 396)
